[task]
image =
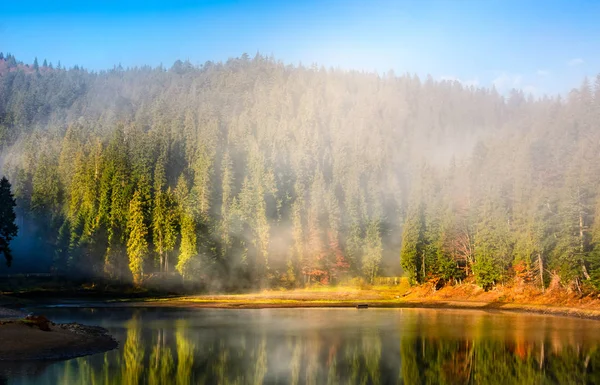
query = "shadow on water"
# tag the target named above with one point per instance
(326, 346)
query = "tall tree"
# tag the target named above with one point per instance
(137, 244)
(8, 227)
(413, 243)
(164, 216)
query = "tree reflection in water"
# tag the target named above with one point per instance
(413, 347)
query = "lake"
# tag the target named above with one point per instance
(324, 346)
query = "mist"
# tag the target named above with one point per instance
(252, 174)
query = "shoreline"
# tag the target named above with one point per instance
(515, 298)
(560, 311)
(25, 340)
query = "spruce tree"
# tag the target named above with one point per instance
(188, 249)
(137, 245)
(594, 257)
(411, 254)
(8, 228)
(373, 251)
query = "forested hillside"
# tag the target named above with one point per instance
(252, 173)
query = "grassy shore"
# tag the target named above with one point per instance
(467, 296)
(514, 297)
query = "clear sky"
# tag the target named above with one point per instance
(539, 46)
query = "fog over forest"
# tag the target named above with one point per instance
(255, 174)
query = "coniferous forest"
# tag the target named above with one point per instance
(253, 174)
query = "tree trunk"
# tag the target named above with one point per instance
(581, 245)
(581, 242)
(541, 267)
(423, 261)
(585, 272)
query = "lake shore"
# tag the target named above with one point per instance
(24, 339)
(461, 297)
(466, 296)
(199, 302)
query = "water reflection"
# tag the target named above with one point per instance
(323, 346)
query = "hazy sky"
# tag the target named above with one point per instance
(539, 46)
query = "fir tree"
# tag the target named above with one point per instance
(8, 227)
(188, 250)
(413, 242)
(137, 245)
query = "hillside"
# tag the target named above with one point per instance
(252, 173)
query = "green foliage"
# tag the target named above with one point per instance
(486, 271)
(594, 257)
(137, 244)
(492, 244)
(188, 252)
(413, 242)
(373, 249)
(164, 216)
(255, 172)
(8, 227)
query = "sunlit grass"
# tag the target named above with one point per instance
(316, 294)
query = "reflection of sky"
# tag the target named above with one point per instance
(538, 46)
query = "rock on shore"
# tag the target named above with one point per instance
(36, 338)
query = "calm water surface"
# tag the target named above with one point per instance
(325, 346)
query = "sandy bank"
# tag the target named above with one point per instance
(22, 341)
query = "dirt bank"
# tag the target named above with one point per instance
(25, 340)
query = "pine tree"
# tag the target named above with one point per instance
(137, 245)
(595, 254)
(8, 227)
(227, 185)
(187, 264)
(448, 254)
(413, 243)
(491, 244)
(163, 216)
(373, 250)
(572, 237)
(63, 250)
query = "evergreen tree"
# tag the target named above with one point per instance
(491, 244)
(595, 254)
(163, 216)
(300, 172)
(413, 244)
(373, 250)
(187, 265)
(137, 245)
(8, 227)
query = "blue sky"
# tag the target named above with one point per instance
(538, 46)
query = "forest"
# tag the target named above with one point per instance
(252, 173)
